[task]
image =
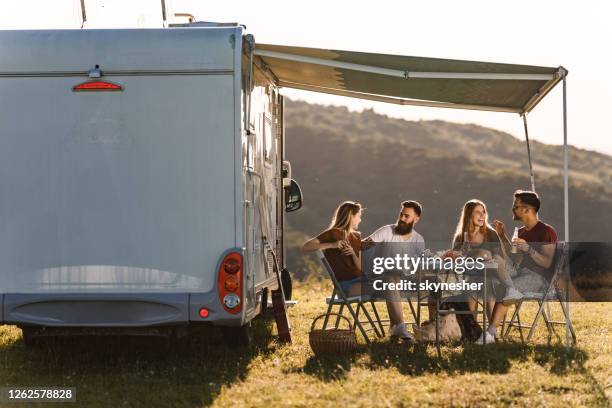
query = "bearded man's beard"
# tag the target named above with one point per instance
(403, 228)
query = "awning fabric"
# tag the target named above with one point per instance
(411, 80)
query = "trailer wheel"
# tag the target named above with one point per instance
(238, 336)
(287, 283)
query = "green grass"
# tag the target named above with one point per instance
(201, 371)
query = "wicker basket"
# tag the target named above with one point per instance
(327, 341)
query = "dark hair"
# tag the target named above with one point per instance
(415, 205)
(528, 197)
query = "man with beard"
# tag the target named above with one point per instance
(534, 260)
(402, 232)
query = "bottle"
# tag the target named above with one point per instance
(465, 247)
(513, 248)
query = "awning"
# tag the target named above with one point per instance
(422, 81)
(408, 80)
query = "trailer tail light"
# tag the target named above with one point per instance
(231, 265)
(230, 282)
(97, 86)
(231, 301)
(203, 313)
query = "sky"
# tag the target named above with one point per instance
(576, 35)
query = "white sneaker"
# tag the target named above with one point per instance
(512, 296)
(488, 338)
(399, 330)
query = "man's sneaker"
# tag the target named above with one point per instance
(512, 296)
(399, 330)
(488, 338)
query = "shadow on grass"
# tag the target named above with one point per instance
(328, 367)
(136, 371)
(419, 359)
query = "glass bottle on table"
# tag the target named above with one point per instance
(465, 250)
(465, 247)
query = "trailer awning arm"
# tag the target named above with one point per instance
(531, 175)
(402, 74)
(406, 80)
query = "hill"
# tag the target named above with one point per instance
(339, 155)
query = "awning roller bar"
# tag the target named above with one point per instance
(402, 74)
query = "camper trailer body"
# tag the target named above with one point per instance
(122, 206)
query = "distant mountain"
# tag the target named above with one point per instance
(339, 155)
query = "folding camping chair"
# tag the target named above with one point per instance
(339, 298)
(552, 293)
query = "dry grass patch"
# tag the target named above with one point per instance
(202, 371)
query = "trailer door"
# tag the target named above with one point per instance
(127, 190)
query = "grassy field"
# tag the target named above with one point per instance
(203, 372)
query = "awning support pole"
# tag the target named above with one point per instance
(566, 234)
(531, 176)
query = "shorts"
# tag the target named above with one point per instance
(526, 280)
(345, 285)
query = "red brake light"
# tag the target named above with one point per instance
(203, 313)
(97, 86)
(231, 265)
(229, 284)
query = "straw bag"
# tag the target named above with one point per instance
(448, 326)
(327, 341)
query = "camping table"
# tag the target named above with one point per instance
(437, 274)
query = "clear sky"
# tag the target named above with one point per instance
(574, 34)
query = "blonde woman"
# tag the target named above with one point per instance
(341, 244)
(482, 241)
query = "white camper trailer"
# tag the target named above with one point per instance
(143, 183)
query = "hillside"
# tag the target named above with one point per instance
(339, 155)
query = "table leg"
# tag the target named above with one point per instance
(484, 307)
(438, 317)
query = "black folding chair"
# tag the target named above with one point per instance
(551, 293)
(339, 298)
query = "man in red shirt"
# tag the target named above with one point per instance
(533, 259)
